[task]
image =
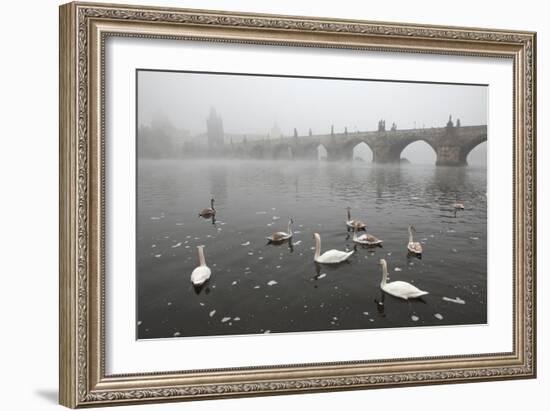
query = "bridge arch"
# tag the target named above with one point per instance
(283, 152)
(315, 150)
(363, 152)
(471, 146)
(322, 152)
(418, 151)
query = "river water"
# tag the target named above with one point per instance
(258, 288)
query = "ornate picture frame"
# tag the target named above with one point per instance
(84, 29)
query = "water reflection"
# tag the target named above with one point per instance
(278, 287)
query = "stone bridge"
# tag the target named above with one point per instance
(452, 144)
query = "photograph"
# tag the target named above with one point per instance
(290, 204)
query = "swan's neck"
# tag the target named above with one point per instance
(289, 230)
(349, 215)
(355, 234)
(317, 246)
(384, 273)
(410, 235)
(212, 204)
(202, 261)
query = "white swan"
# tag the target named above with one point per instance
(354, 224)
(366, 239)
(414, 247)
(281, 235)
(330, 256)
(202, 273)
(399, 289)
(208, 212)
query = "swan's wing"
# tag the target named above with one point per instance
(334, 256)
(200, 275)
(206, 211)
(403, 289)
(415, 247)
(371, 238)
(355, 224)
(278, 236)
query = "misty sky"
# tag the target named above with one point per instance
(253, 104)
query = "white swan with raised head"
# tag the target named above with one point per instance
(202, 273)
(330, 256)
(399, 289)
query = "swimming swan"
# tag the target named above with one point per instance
(399, 289)
(414, 247)
(281, 235)
(208, 212)
(202, 273)
(330, 256)
(354, 224)
(366, 239)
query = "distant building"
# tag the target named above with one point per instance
(275, 132)
(214, 130)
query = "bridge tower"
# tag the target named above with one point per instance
(214, 131)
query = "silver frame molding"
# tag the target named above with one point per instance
(84, 27)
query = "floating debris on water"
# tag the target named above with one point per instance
(456, 300)
(335, 318)
(438, 316)
(225, 319)
(256, 286)
(397, 269)
(389, 253)
(321, 276)
(365, 313)
(177, 334)
(169, 303)
(211, 313)
(234, 282)
(155, 218)
(250, 253)
(260, 258)
(297, 242)
(267, 331)
(201, 304)
(278, 266)
(454, 250)
(245, 244)
(139, 323)
(272, 282)
(179, 223)
(269, 224)
(474, 238)
(415, 317)
(176, 245)
(450, 230)
(158, 255)
(275, 218)
(237, 319)
(187, 246)
(153, 246)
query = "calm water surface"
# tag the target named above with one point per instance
(257, 288)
